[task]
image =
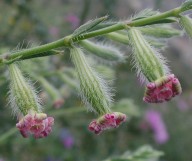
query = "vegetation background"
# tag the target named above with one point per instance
(36, 22)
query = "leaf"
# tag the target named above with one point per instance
(145, 13)
(148, 13)
(88, 26)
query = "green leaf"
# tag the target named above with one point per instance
(88, 26)
(145, 13)
(159, 31)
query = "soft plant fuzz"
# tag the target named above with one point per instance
(94, 89)
(152, 69)
(150, 65)
(121, 37)
(26, 106)
(186, 23)
(102, 50)
(23, 97)
(96, 94)
(88, 26)
(157, 31)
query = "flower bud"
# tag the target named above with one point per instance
(25, 103)
(152, 69)
(95, 92)
(104, 51)
(122, 37)
(160, 31)
(186, 23)
(107, 121)
(94, 89)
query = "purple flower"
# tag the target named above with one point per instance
(67, 138)
(73, 20)
(156, 123)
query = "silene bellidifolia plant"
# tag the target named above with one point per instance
(145, 33)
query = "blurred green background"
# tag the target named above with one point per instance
(25, 23)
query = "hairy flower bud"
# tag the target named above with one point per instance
(25, 104)
(95, 91)
(152, 69)
(107, 121)
(158, 31)
(186, 23)
(104, 51)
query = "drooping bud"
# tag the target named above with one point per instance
(158, 31)
(58, 101)
(152, 69)
(186, 23)
(121, 37)
(107, 121)
(105, 51)
(94, 89)
(26, 106)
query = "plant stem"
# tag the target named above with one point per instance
(68, 111)
(7, 134)
(66, 41)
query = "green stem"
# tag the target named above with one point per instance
(7, 134)
(66, 41)
(172, 13)
(68, 111)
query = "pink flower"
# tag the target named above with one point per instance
(73, 20)
(156, 123)
(107, 121)
(162, 89)
(36, 124)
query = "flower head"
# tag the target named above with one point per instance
(36, 124)
(107, 121)
(162, 89)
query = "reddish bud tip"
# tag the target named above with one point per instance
(162, 89)
(36, 124)
(107, 121)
